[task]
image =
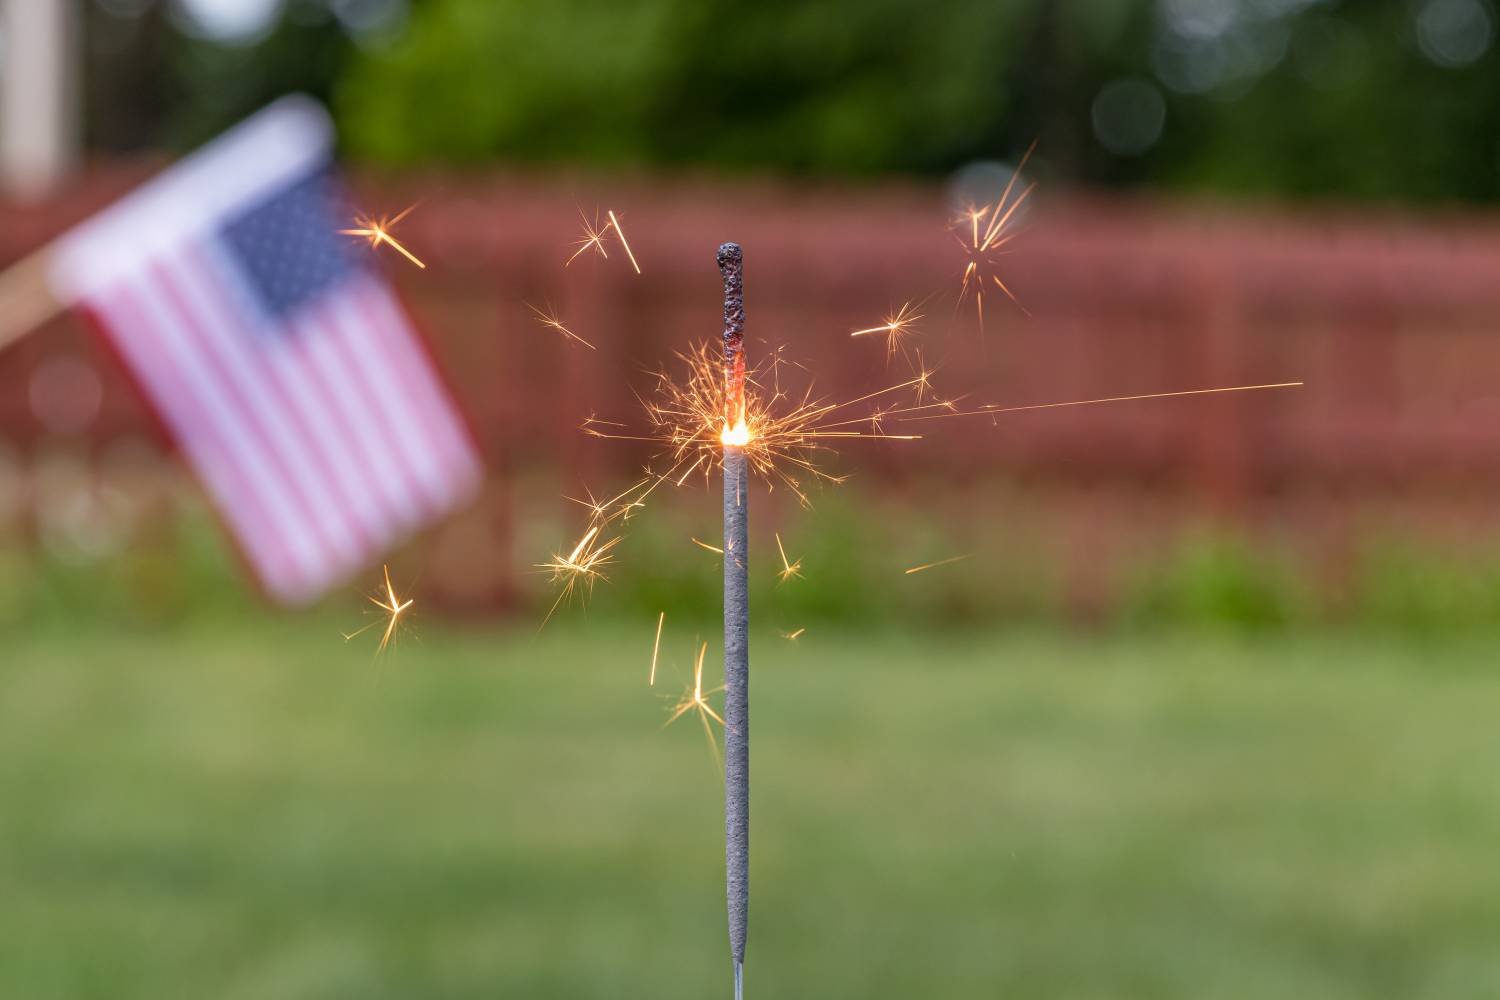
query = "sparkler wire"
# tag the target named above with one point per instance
(736, 618)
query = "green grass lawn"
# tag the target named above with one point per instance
(269, 813)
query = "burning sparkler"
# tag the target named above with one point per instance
(392, 606)
(378, 231)
(726, 415)
(986, 229)
(736, 437)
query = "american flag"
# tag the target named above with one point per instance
(285, 369)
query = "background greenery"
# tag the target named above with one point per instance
(1315, 98)
(259, 810)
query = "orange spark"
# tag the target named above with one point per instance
(378, 231)
(656, 647)
(991, 408)
(581, 568)
(392, 606)
(788, 569)
(793, 636)
(695, 699)
(940, 562)
(705, 545)
(896, 327)
(621, 234)
(550, 319)
(593, 238)
(989, 228)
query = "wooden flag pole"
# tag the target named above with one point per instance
(26, 298)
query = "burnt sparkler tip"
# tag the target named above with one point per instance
(729, 255)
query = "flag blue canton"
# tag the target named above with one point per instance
(288, 246)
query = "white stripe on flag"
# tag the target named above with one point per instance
(420, 383)
(233, 471)
(238, 373)
(363, 411)
(399, 416)
(304, 400)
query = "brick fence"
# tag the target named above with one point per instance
(1387, 318)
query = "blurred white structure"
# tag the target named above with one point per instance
(39, 99)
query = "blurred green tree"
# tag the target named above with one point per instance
(1308, 98)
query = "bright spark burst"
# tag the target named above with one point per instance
(940, 562)
(983, 231)
(788, 569)
(695, 699)
(793, 636)
(593, 238)
(378, 231)
(896, 327)
(787, 439)
(392, 606)
(581, 568)
(549, 318)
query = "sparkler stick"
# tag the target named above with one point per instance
(735, 437)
